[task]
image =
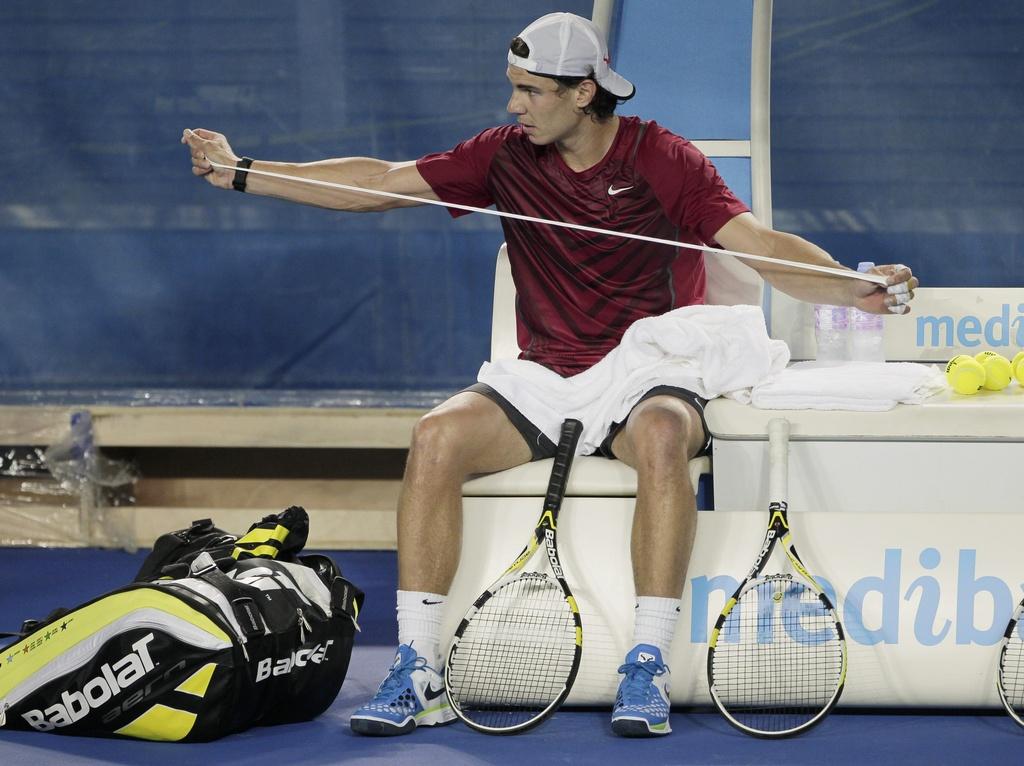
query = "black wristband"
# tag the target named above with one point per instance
(240, 175)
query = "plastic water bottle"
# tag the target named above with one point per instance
(867, 331)
(831, 330)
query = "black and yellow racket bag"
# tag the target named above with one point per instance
(217, 634)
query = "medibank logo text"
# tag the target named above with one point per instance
(1003, 329)
(976, 613)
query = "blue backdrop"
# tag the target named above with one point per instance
(119, 269)
(895, 134)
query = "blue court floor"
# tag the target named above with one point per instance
(34, 581)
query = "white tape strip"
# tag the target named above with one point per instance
(849, 274)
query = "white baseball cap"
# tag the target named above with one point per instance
(567, 45)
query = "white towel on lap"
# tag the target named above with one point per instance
(865, 386)
(710, 350)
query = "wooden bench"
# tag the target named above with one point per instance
(232, 463)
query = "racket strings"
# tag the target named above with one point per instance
(516, 654)
(1011, 671)
(779, 658)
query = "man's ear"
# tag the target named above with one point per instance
(585, 93)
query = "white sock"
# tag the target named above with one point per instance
(655, 622)
(419, 623)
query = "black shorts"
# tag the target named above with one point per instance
(542, 447)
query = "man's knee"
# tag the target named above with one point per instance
(664, 431)
(467, 434)
(437, 434)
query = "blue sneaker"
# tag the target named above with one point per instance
(642, 706)
(412, 695)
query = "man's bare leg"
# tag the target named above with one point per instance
(660, 436)
(465, 435)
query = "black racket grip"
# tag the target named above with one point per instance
(571, 432)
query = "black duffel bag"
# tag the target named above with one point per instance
(217, 634)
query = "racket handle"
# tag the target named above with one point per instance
(778, 460)
(570, 437)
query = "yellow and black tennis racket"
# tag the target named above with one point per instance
(777, 654)
(1010, 676)
(517, 650)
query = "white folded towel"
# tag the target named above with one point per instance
(865, 386)
(710, 350)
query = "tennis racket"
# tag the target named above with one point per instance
(777, 654)
(516, 652)
(1010, 678)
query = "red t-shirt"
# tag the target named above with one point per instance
(577, 291)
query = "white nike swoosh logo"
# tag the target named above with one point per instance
(613, 191)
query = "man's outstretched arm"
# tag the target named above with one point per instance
(365, 172)
(744, 233)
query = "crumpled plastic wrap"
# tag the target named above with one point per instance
(68, 494)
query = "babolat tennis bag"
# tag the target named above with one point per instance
(217, 634)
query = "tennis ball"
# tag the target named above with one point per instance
(965, 374)
(1017, 365)
(997, 370)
